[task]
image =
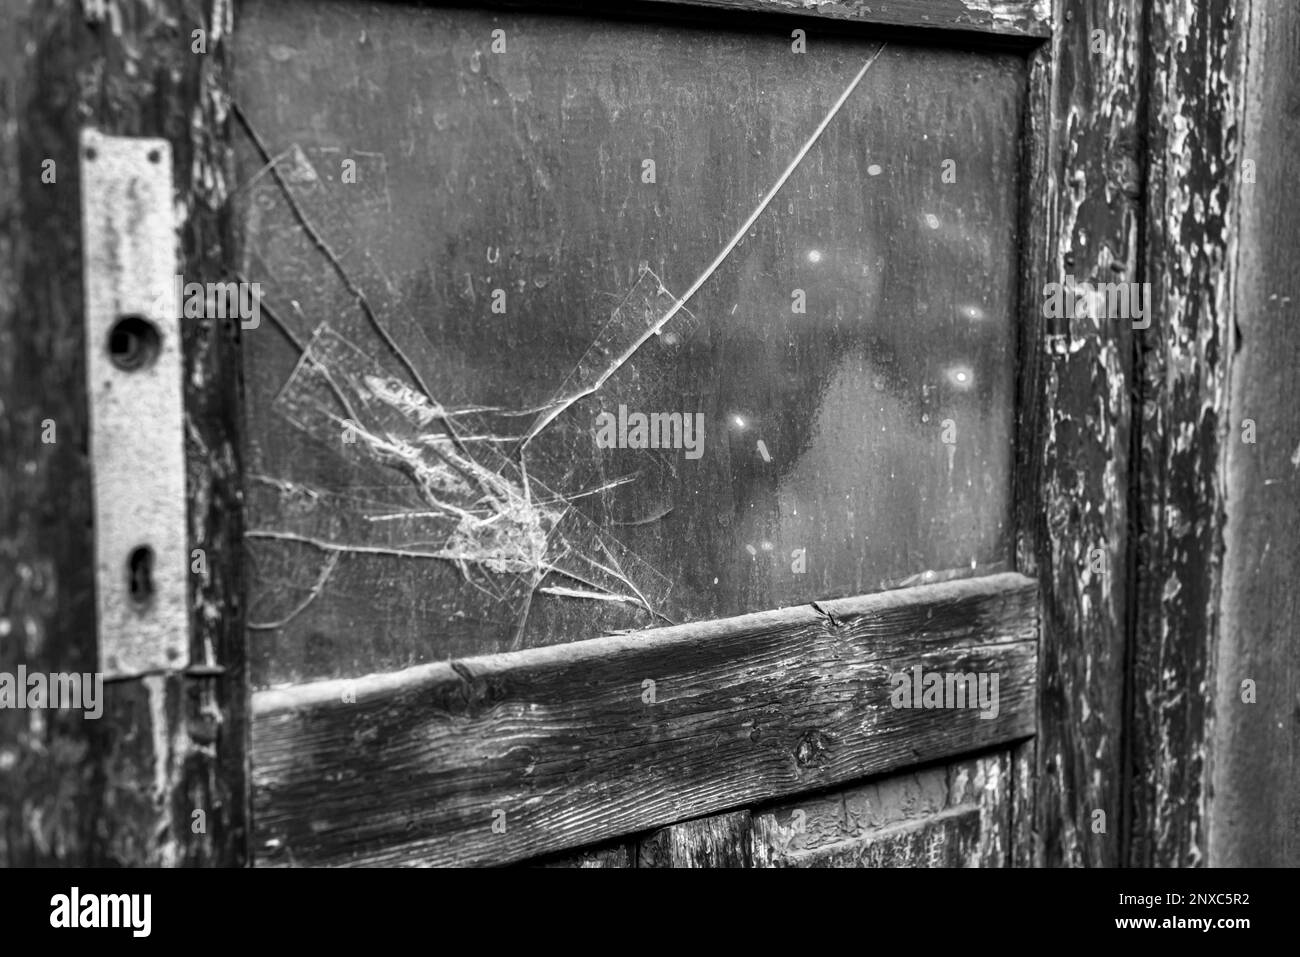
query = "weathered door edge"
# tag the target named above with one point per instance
(1075, 402)
(160, 778)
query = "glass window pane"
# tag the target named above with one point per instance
(836, 399)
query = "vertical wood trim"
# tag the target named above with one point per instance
(1195, 66)
(50, 789)
(215, 775)
(1076, 407)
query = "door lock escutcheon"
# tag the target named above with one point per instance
(133, 379)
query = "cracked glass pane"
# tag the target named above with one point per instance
(527, 373)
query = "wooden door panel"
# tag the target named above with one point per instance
(481, 248)
(850, 363)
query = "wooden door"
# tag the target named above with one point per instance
(631, 436)
(382, 172)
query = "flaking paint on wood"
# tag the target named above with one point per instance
(1076, 408)
(1194, 154)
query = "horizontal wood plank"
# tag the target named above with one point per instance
(1008, 18)
(505, 757)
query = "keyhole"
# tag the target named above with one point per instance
(140, 574)
(133, 343)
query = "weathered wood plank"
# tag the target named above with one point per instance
(573, 744)
(801, 830)
(1253, 816)
(1013, 18)
(1075, 412)
(718, 841)
(992, 785)
(950, 838)
(1190, 206)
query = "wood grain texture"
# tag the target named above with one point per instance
(718, 841)
(1254, 797)
(48, 792)
(1014, 21)
(562, 746)
(1194, 140)
(801, 831)
(1076, 415)
(122, 790)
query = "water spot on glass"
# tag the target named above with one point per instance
(960, 376)
(474, 62)
(932, 220)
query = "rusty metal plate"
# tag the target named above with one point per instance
(133, 373)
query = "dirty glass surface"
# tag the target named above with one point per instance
(471, 247)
